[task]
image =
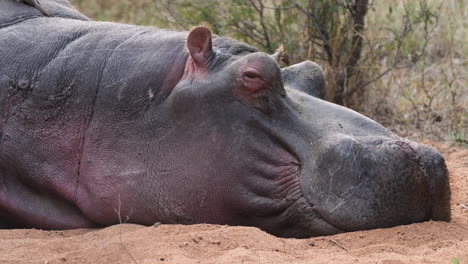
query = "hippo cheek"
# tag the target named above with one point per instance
(357, 185)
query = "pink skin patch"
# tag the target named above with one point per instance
(200, 48)
(192, 70)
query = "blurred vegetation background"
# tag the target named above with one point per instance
(400, 62)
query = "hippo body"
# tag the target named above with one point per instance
(102, 123)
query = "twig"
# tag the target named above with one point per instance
(333, 241)
(120, 232)
(280, 7)
(323, 33)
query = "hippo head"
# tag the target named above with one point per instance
(276, 157)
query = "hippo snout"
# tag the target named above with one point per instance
(436, 174)
(362, 183)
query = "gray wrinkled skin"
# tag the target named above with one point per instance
(103, 120)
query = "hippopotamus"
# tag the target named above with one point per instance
(103, 123)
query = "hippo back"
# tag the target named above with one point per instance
(12, 12)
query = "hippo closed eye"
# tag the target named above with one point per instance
(102, 122)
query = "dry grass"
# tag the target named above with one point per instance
(430, 98)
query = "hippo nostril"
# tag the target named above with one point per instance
(435, 157)
(433, 175)
(409, 151)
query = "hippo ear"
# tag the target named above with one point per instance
(307, 77)
(278, 54)
(199, 45)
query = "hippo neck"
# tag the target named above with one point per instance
(154, 62)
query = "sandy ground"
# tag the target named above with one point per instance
(430, 242)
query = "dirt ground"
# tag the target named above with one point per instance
(430, 242)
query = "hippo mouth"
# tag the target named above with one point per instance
(359, 184)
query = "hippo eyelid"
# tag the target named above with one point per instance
(252, 75)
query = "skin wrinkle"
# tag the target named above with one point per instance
(287, 192)
(287, 183)
(75, 54)
(19, 20)
(277, 140)
(58, 50)
(5, 34)
(91, 113)
(313, 221)
(30, 41)
(287, 186)
(268, 206)
(132, 50)
(289, 170)
(330, 182)
(121, 82)
(354, 161)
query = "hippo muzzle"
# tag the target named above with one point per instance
(360, 183)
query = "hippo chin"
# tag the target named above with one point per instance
(104, 122)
